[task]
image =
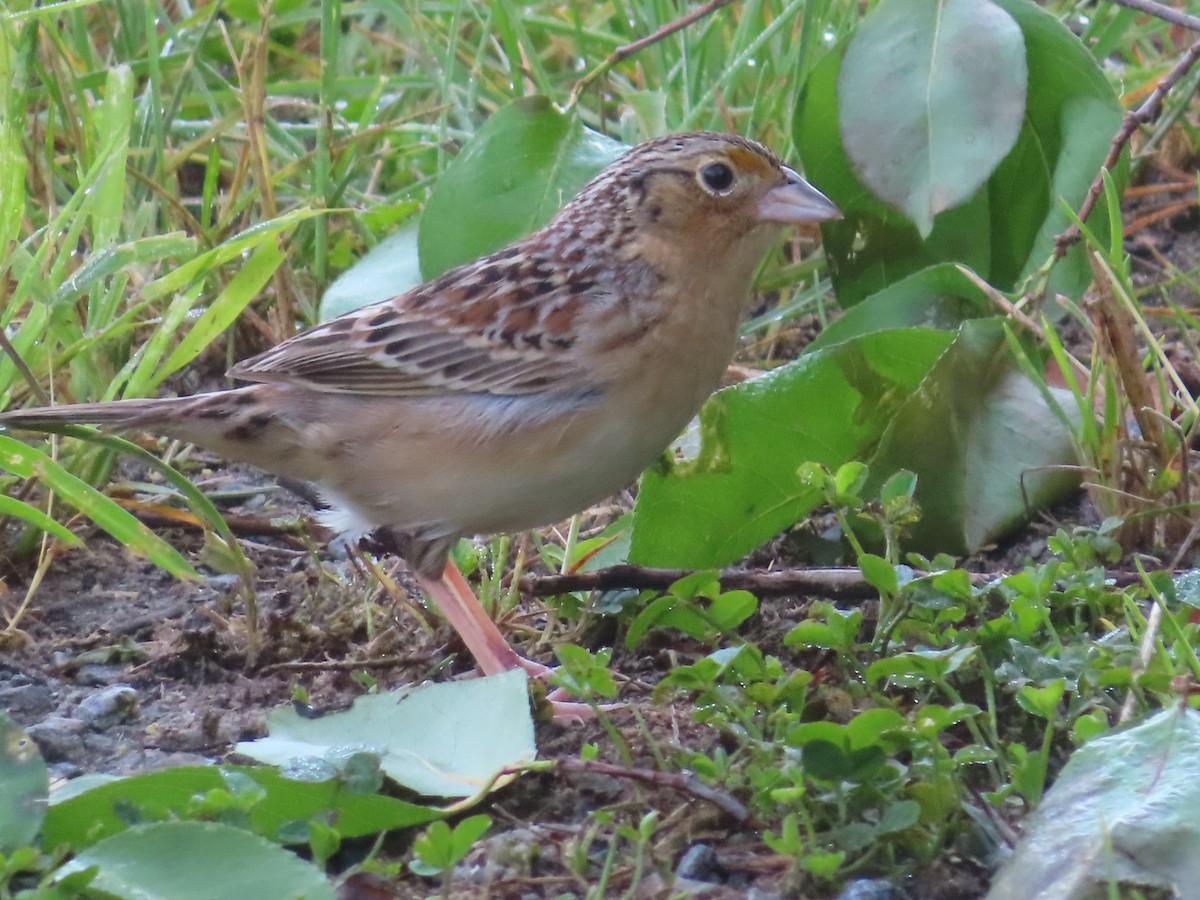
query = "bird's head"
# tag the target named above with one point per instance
(696, 197)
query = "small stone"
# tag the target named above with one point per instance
(26, 702)
(698, 863)
(98, 675)
(60, 739)
(109, 706)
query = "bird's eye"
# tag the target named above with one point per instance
(717, 177)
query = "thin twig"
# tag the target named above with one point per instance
(846, 584)
(627, 50)
(1159, 11)
(831, 583)
(350, 665)
(1133, 120)
(686, 784)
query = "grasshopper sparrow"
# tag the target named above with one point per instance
(518, 389)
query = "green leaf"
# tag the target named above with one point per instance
(114, 118)
(901, 486)
(875, 245)
(12, 507)
(24, 786)
(197, 861)
(1006, 230)
(823, 863)
(1042, 701)
(828, 761)
(445, 740)
(879, 573)
(13, 160)
(940, 296)
(980, 438)
(79, 819)
(391, 268)
(900, 815)
(932, 94)
(1070, 118)
(519, 168)
(731, 609)
(439, 849)
(668, 612)
(742, 488)
(917, 667)
(871, 725)
(110, 259)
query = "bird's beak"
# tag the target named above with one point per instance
(796, 201)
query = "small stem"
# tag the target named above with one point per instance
(1159, 11)
(627, 50)
(1133, 119)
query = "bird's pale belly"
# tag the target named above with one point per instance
(483, 465)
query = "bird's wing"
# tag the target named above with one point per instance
(504, 325)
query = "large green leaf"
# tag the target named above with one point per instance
(1070, 118)
(445, 740)
(932, 94)
(520, 167)
(104, 809)
(1121, 815)
(985, 446)
(1006, 230)
(827, 407)
(197, 861)
(941, 296)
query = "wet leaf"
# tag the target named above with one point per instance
(1122, 812)
(444, 740)
(198, 861)
(826, 407)
(982, 442)
(522, 165)
(81, 817)
(1071, 114)
(932, 94)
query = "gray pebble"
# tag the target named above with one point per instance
(26, 701)
(60, 739)
(97, 675)
(108, 706)
(699, 863)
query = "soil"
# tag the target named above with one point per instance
(117, 667)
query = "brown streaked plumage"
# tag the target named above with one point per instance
(517, 389)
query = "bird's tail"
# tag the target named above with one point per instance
(259, 424)
(116, 414)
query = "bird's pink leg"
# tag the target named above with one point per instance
(493, 654)
(457, 602)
